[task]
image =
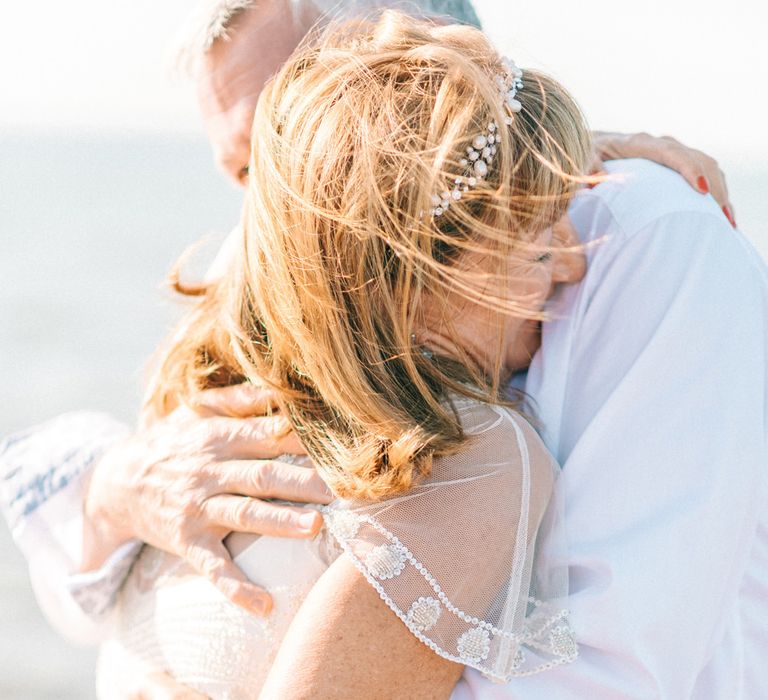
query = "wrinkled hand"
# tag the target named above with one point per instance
(185, 482)
(700, 170)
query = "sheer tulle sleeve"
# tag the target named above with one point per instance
(473, 559)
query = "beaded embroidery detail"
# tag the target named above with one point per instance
(562, 642)
(546, 630)
(424, 613)
(345, 523)
(474, 645)
(385, 561)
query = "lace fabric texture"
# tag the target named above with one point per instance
(170, 619)
(472, 561)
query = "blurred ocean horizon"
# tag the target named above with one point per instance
(89, 225)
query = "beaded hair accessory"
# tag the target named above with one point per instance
(484, 146)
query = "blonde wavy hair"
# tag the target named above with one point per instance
(350, 141)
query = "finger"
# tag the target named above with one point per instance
(699, 170)
(253, 515)
(698, 173)
(730, 214)
(718, 186)
(707, 178)
(703, 173)
(238, 401)
(211, 559)
(271, 479)
(160, 686)
(669, 152)
(263, 437)
(682, 160)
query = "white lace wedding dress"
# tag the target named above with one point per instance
(472, 561)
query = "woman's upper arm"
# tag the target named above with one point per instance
(345, 642)
(438, 578)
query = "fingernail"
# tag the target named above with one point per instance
(729, 216)
(309, 521)
(261, 605)
(703, 184)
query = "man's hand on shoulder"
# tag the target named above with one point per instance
(183, 483)
(700, 170)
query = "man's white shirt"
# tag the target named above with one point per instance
(651, 385)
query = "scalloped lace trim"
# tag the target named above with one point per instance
(546, 633)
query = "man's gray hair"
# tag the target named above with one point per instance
(213, 20)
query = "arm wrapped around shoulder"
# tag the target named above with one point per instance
(473, 560)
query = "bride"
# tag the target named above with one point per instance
(399, 241)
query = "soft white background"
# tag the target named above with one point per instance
(695, 69)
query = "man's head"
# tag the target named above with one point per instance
(235, 46)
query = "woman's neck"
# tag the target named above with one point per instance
(478, 345)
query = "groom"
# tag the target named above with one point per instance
(663, 474)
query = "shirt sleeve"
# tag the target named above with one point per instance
(43, 472)
(454, 557)
(661, 429)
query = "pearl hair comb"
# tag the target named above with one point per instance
(484, 146)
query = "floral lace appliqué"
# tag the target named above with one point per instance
(474, 645)
(424, 613)
(562, 642)
(345, 523)
(385, 561)
(546, 633)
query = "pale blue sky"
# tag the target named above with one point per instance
(697, 70)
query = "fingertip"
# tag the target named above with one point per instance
(261, 604)
(729, 215)
(702, 184)
(322, 496)
(325, 498)
(251, 598)
(310, 523)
